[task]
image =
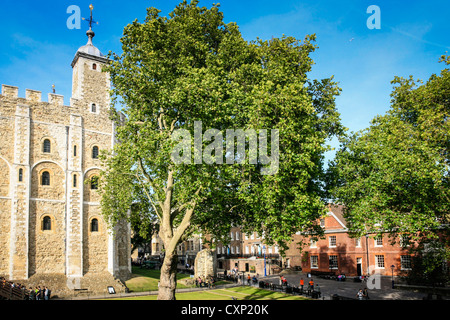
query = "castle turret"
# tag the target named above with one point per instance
(89, 83)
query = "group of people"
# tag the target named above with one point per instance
(201, 282)
(37, 293)
(251, 280)
(362, 294)
(312, 287)
(283, 281)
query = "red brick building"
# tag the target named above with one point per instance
(339, 253)
(336, 252)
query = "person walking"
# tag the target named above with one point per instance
(32, 294)
(311, 284)
(366, 293)
(41, 293)
(360, 294)
(302, 283)
(318, 290)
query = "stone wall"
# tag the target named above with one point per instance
(70, 248)
(205, 263)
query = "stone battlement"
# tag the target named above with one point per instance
(31, 95)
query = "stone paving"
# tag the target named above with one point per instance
(349, 288)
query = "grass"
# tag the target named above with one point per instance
(147, 280)
(239, 293)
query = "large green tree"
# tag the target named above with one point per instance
(192, 72)
(394, 176)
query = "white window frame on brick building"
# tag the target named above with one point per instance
(378, 241)
(405, 262)
(332, 241)
(314, 262)
(379, 261)
(405, 241)
(333, 262)
(322, 223)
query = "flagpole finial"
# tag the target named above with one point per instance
(90, 33)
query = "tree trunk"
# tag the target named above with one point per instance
(168, 279)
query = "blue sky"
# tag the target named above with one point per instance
(37, 47)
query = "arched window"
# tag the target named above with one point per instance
(94, 225)
(47, 223)
(93, 108)
(47, 146)
(94, 183)
(45, 179)
(95, 152)
(74, 180)
(94, 66)
(20, 175)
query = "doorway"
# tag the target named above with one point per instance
(359, 266)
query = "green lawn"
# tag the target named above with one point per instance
(147, 280)
(240, 293)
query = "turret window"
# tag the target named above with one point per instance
(93, 108)
(95, 152)
(94, 225)
(46, 148)
(94, 183)
(47, 223)
(45, 178)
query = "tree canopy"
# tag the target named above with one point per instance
(188, 73)
(395, 175)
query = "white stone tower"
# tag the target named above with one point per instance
(50, 213)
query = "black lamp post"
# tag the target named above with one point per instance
(392, 268)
